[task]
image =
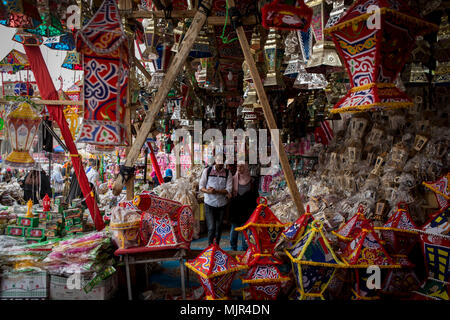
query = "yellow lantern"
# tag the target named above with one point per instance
(22, 125)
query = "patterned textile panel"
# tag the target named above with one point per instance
(315, 279)
(265, 292)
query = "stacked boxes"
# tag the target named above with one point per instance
(73, 220)
(52, 224)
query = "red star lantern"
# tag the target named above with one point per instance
(364, 251)
(399, 235)
(262, 229)
(375, 47)
(216, 270)
(351, 228)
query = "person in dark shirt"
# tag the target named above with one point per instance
(36, 185)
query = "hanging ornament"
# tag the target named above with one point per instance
(22, 125)
(26, 38)
(178, 35)
(151, 36)
(161, 65)
(280, 15)
(273, 50)
(19, 14)
(64, 42)
(201, 47)
(72, 61)
(415, 73)
(324, 58)
(382, 50)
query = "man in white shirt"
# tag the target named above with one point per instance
(91, 173)
(216, 183)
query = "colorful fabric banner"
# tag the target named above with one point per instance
(105, 63)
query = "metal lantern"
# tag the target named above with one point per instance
(273, 53)
(442, 73)
(375, 54)
(64, 42)
(313, 262)
(442, 47)
(216, 270)
(178, 35)
(152, 36)
(324, 58)
(202, 45)
(161, 65)
(22, 125)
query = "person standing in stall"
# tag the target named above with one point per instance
(216, 183)
(243, 203)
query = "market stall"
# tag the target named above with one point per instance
(333, 114)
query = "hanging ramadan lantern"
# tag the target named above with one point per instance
(336, 13)
(22, 124)
(375, 48)
(442, 72)
(264, 279)
(151, 35)
(27, 39)
(280, 14)
(324, 58)
(19, 14)
(64, 42)
(273, 51)
(105, 62)
(296, 62)
(161, 65)
(306, 80)
(313, 262)
(415, 73)
(51, 24)
(201, 47)
(216, 270)
(178, 35)
(72, 61)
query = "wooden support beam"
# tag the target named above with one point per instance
(142, 68)
(212, 20)
(289, 176)
(169, 78)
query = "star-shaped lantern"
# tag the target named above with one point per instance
(351, 228)
(399, 235)
(364, 251)
(262, 229)
(375, 46)
(314, 263)
(216, 270)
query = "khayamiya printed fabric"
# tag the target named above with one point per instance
(105, 63)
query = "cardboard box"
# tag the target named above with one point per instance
(34, 240)
(24, 285)
(35, 232)
(51, 233)
(105, 290)
(72, 213)
(16, 231)
(27, 222)
(74, 228)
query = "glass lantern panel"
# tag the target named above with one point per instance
(12, 135)
(22, 137)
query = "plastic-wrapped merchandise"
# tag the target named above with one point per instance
(125, 226)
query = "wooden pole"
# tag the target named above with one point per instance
(289, 176)
(175, 67)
